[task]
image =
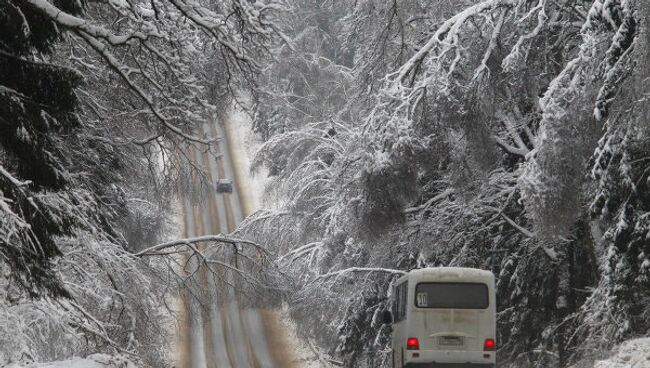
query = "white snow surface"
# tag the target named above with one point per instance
(245, 144)
(92, 361)
(630, 354)
(303, 356)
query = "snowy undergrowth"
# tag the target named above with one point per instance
(633, 353)
(92, 361)
(304, 355)
(244, 145)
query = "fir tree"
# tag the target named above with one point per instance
(37, 113)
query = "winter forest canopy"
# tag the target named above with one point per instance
(510, 135)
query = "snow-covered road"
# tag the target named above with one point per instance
(218, 331)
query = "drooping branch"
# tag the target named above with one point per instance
(199, 239)
(353, 270)
(72, 22)
(447, 35)
(155, 56)
(118, 68)
(16, 182)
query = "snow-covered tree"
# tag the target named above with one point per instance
(472, 127)
(38, 115)
(97, 100)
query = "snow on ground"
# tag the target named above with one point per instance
(92, 361)
(244, 144)
(630, 354)
(303, 355)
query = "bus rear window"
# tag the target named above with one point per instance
(452, 295)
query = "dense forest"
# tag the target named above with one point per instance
(509, 135)
(97, 100)
(500, 134)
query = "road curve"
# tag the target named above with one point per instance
(217, 331)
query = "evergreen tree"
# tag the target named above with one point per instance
(37, 115)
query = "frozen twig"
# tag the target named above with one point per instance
(199, 239)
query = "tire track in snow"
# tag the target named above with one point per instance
(217, 355)
(252, 317)
(238, 133)
(221, 334)
(197, 348)
(183, 330)
(237, 338)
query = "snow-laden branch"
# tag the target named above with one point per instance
(516, 53)
(13, 179)
(239, 271)
(494, 40)
(448, 34)
(521, 229)
(445, 193)
(199, 239)
(115, 64)
(70, 21)
(510, 148)
(353, 270)
(211, 25)
(156, 56)
(298, 252)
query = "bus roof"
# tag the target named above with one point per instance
(449, 274)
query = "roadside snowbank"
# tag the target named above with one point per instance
(92, 361)
(243, 143)
(630, 354)
(303, 355)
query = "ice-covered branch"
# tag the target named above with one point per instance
(155, 56)
(199, 239)
(447, 34)
(494, 39)
(70, 21)
(120, 69)
(423, 207)
(353, 270)
(16, 182)
(516, 53)
(510, 148)
(298, 252)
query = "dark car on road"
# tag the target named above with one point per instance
(224, 186)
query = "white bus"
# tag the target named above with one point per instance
(444, 318)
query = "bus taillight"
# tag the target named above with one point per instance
(412, 343)
(490, 345)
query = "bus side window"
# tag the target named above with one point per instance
(399, 306)
(404, 301)
(396, 300)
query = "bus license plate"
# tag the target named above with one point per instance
(450, 340)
